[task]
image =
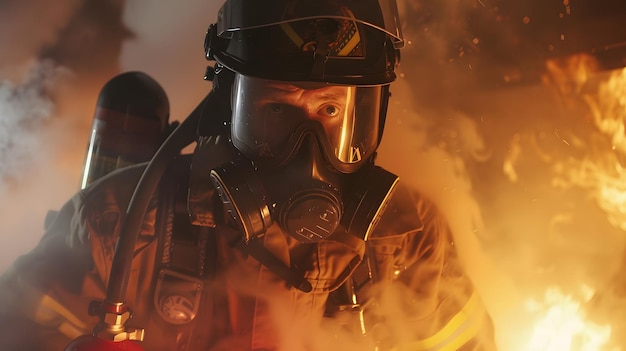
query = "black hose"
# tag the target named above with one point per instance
(181, 137)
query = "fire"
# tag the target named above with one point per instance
(563, 324)
(601, 170)
(590, 161)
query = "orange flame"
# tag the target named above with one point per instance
(595, 164)
(563, 324)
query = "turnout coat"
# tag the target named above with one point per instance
(191, 289)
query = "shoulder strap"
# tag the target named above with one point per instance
(186, 255)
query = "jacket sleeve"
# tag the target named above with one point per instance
(31, 316)
(45, 294)
(424, 297)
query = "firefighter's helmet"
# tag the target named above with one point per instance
(350, 42)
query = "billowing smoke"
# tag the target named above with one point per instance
(29, 26)
(29, 129)
(24, 107)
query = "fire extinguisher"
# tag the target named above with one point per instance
(94, 343)
(131, 121)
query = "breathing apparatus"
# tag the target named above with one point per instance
(291, 169)
(309, 99)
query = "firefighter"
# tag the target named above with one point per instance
(279, 232)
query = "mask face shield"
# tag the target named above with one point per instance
(272, 118)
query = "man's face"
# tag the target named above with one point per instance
(270, 117)
(280, 107)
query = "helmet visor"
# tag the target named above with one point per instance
(238, 15)
(271, 118)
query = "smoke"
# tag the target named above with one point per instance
(23, 107)
(29, 131)
(440, 172)
(28, 27)
(169, 46)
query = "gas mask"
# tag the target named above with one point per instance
(304, 160)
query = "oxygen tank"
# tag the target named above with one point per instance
(130, 123)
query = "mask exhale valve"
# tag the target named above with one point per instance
(311, 216)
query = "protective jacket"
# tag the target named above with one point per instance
(192, 289)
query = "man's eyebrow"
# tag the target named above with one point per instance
(277, 92)
(332, 95)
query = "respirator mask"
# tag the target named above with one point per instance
(304, 159)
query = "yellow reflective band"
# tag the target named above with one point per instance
(466, 334)
(44, 310)
(295, 38)
(49, 310)
(459, 330)
(351, 44)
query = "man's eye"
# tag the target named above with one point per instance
(330, 110)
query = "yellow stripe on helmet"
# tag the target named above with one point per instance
(291, 33)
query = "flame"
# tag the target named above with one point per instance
(563, 325)
(601, 170)
(609, 112)
(592, 159)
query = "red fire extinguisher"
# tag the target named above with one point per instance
(94, 343)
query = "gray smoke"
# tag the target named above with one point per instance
(30, 181)
(29, 26)
(24, 107)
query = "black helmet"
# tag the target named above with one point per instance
(352, 42)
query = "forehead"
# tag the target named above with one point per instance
(267, 87)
